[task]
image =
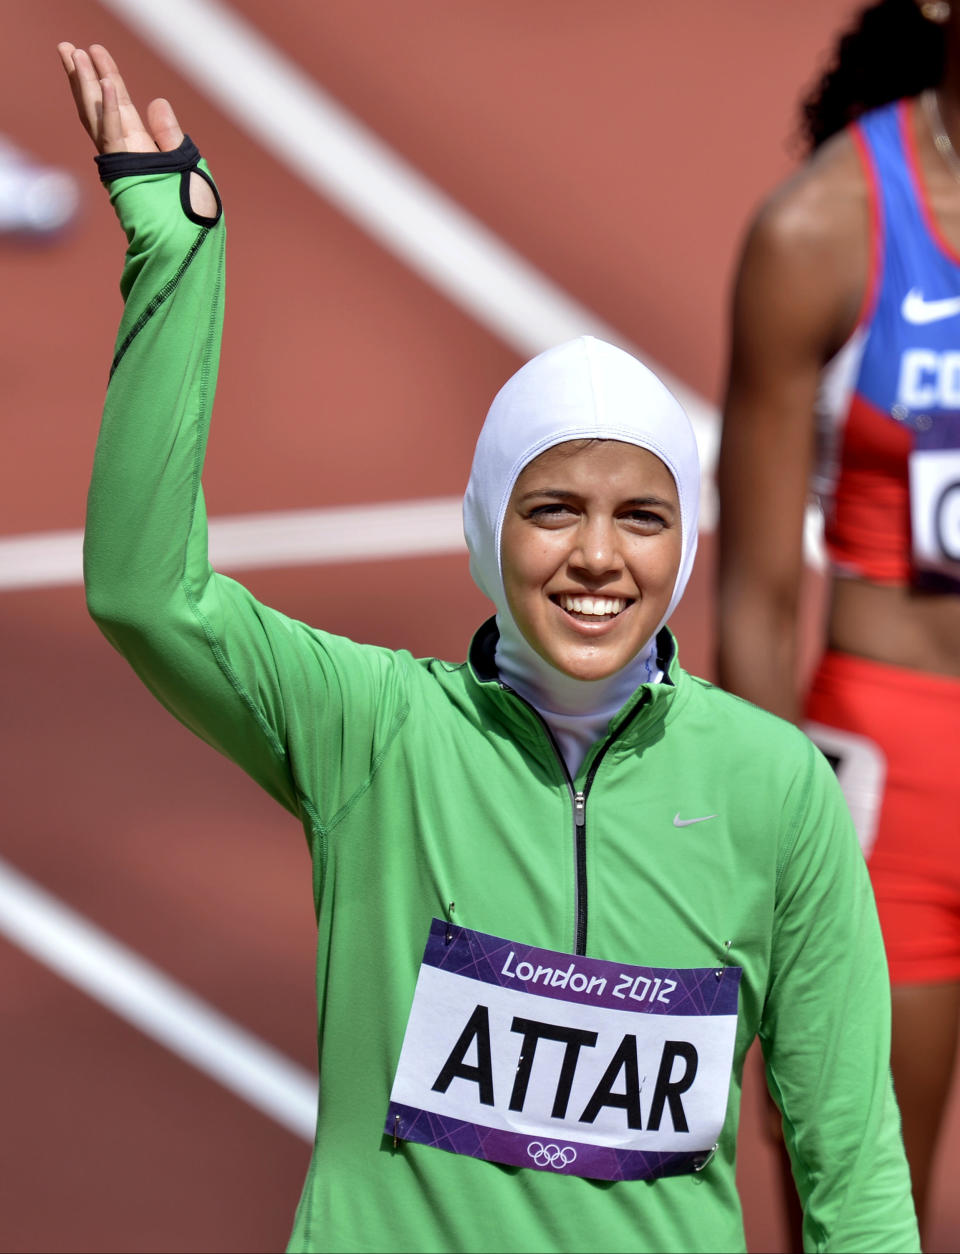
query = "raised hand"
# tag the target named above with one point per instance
(108, 114)
(111, 119)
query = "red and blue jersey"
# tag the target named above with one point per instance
(889, 405)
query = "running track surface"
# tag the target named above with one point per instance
(620, 148)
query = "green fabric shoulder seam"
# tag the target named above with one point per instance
(399, 719)
(321, 831)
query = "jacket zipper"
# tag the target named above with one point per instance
(580, 863)
(579, 814)
(580, 839)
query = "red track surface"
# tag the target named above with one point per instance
(618, 146)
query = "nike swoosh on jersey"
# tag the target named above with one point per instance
(679, 822)
(919, 311)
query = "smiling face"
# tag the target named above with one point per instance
(590, 550)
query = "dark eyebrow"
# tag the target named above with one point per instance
(660, 501)
(561, 494)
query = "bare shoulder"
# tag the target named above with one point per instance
(806, 257)
(821, 210)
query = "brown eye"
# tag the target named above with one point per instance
(646, 520)
(555, 511)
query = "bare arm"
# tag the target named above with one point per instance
(799, 287)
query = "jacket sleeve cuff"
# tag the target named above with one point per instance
(115, 165)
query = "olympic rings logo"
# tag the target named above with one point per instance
(551, 1155)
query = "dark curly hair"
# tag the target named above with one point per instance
(892, 51)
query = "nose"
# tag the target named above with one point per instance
(597, 550)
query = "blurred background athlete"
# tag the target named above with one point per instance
(845, 370)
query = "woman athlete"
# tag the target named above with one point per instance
(846, 360)
(560, 887)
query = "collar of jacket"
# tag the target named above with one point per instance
(524, 723)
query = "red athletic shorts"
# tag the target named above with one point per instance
(893, 737)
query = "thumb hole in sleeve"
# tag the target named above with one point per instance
(199, 198)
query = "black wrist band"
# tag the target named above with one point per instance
(114, 165)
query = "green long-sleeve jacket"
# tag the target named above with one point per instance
(421, 783)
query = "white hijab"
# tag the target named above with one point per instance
(583, 389)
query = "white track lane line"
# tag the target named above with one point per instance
(137, 991)
(298, 123)
(351, 533)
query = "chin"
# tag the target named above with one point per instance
(587, 669)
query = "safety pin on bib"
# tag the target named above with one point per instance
(726, 944)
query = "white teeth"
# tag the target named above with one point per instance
(598, 607)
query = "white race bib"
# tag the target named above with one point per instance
(564, 1063)
(935, 512)
(861, 770)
